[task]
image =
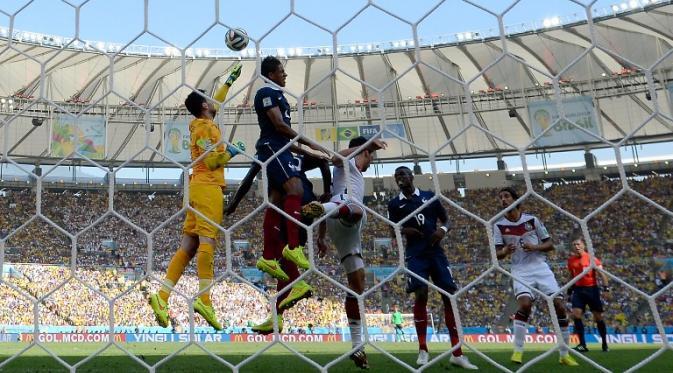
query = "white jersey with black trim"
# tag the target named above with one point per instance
(527, 229)
(351, 184)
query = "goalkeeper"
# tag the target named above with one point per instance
(205, 196)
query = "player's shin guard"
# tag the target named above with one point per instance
(292, 207)
(421, 322)
(565, 333)
(354, 322)
(579, 330)
(520, 329)
(174, 271)
(453, 330)
(271, 232)
(204, 269)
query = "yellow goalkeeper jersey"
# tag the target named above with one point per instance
(203, 134)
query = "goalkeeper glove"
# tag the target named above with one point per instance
(235, 73)
(217, 160)
(236, 148)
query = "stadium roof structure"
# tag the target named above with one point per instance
(484, 82)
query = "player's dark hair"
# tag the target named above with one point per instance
(511, 192)
(357, 142)
(194, 102)
(269, 65)
(580, 238)
(403, 168)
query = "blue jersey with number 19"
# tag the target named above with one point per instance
(425, 220)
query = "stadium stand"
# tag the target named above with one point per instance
(112, 257)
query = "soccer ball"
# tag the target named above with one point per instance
(236, 39)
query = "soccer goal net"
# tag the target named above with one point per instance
(100, 175)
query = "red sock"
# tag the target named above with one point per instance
(292, 272)
(453, 331)
(271, 232)
(421, 323)
(292, 207)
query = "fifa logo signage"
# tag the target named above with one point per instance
(579, 112)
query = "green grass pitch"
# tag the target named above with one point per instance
(278, 359)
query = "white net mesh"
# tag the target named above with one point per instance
(464, 98)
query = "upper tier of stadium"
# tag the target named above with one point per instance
(483, 81)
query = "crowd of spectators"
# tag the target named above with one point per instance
(111, 254)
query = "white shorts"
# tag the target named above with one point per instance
(541, 278)
(347, 241)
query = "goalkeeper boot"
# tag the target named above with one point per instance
(208, 313)
(312, 210)
(160, 308)
(296, 256)
(272, 268)
(267, 326)
(299, 291)
(568, 360)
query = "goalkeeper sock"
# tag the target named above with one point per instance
(204, 269)
(174, 271)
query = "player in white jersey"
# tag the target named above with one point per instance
(344, 224)
(525, 238)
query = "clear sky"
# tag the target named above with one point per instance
(180, 22)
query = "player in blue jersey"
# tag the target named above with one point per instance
(425, 257)
(276, 239)
(273, 115)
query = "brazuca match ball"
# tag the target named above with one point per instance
(236, 39)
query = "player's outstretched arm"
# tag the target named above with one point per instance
(276, 118)
(326, 179)
(243, 188)
(375, 145)
(221, 94)
(313, 161)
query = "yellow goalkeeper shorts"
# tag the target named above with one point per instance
(207, 199)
